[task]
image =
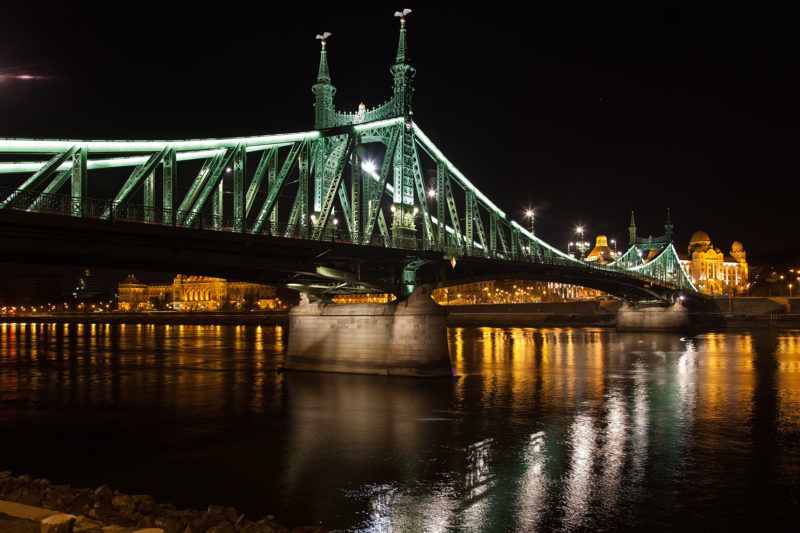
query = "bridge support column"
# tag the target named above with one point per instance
(401, 338)
(653, 317)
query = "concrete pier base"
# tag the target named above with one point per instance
(401, 338)
(675, 316)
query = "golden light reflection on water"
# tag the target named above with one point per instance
(178, 367)
(788, 382)
(728, 379)
(545, 428)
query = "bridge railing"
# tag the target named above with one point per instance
(65, 205)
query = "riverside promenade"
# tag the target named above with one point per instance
(737, 313)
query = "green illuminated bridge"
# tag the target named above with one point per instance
(363, 202)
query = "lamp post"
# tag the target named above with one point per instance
(581, 245)
(530, 214)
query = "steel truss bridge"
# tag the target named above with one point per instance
(365, 201)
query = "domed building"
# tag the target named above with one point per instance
(713, 272)
(601, 254)
(132, 294)
(699, 239)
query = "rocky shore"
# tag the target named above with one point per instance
(105, 507)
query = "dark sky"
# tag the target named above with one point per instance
(583, 114)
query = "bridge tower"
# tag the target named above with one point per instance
(324, 117)
(632, 232)
(650, 243)
(668, 226)
(323, 92)
(403, 227)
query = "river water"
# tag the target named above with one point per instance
(543, 429)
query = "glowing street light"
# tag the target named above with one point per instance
(579, 231)
(530, 214)
(368, 166)
(431, 193)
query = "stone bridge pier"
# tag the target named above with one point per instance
(402, 338)
(653, 317)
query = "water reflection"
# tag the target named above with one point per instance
(551, 428)
(533, 484)
(578, 484)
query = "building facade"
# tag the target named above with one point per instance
(513, 292)
(195, 293)
(713, 272)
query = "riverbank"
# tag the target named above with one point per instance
(597, 313)
(32, 500)
(747, 313)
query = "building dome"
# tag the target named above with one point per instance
(601, 252)
(737, 247)
(700, 237)
(130, 280)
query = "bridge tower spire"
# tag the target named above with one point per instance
(632, 231)
(668, 226)
(323, 90)
(403, 226)
(402, 72)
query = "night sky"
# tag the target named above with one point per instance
(584, 115)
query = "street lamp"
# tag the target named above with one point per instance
(582, 247)
(530, 214)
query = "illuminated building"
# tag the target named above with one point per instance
(513, 292)
(370, 298)
(712, 271)
(601, 254)
(195, 293)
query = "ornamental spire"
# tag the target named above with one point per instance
(324, 74)
(324, 110)
(401, 44)
(668, 225)
(632, 231)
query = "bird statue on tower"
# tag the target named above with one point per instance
(402, 14)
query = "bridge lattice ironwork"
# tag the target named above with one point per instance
(359, 177)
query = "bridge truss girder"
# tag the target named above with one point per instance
(268, 185)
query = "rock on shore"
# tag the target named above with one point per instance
(111, 508)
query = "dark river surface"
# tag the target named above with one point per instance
(565, 429)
